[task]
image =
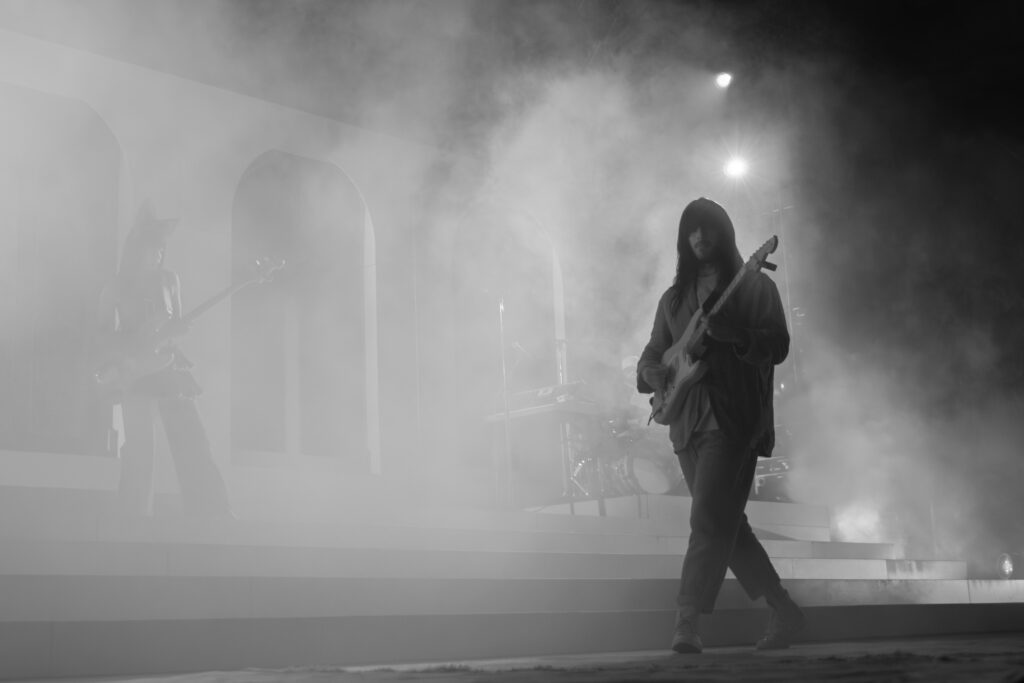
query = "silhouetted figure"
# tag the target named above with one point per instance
(139, 317)
(726, 419)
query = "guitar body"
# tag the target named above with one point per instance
(116, 376)
(685, 369)
(683, 359)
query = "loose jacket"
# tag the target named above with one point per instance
(739, 379)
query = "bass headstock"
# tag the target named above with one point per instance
(264, 269)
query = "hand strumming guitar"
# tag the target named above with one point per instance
(656, 376)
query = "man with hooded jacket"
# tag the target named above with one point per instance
(726, 421)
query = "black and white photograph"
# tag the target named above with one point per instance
(494, 341)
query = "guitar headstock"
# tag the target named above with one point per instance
(264, 269)
(759, 259)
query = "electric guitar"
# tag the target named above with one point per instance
(684, 358)
(149, 351)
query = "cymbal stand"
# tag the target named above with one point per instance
(503, 470)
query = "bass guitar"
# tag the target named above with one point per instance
(684, 358)
(150, 351)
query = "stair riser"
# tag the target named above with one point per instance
(35, 598)
(156, 559)
(153, 647)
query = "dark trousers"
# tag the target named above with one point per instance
(719, 471)
(202, 488)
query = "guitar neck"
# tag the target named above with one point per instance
(757, 261)
(213, 301)
(729, 290)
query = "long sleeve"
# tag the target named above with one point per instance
(105, 336)
(768, 337)
(106, 313)
(660, 341)
(174, 283)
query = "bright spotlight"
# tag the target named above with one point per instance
(723, 80)
(736, 167)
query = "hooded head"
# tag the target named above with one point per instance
(711, 218)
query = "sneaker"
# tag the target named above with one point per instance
(686, 640)
(783, 625)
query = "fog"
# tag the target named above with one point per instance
(582, 129)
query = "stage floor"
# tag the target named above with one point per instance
(87, 594)
(998, 657)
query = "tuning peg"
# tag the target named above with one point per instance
(769, 265)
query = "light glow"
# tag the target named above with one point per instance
(858, 523)
(1006, 566)
(736, 167)
(723, 80)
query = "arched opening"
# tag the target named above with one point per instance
(58, 246)
(300, 345)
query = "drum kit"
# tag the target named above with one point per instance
(627, 459)
(615, 451)
(636, 459)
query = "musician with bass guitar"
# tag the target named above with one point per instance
(150, 380)
(718, 332)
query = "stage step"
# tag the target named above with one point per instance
(782, 520)
(84, 592)
(157, 598)
(662, 529)
(793, 559)
(66, 512)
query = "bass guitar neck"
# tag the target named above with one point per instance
(149, 353)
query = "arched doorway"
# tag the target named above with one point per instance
(59, 176)
(303, 347)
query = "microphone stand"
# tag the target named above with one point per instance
(503, 470)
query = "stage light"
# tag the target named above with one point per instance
(723, 80)
(736, 167)
(1005, 566)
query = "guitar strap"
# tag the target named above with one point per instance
(709, 302)
(712, 299)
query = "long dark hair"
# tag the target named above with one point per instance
(706, 213)
(148, 232)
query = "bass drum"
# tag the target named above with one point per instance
(658, 476)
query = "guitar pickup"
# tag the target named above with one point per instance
(769, 266)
